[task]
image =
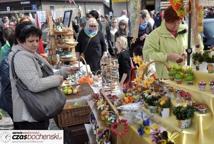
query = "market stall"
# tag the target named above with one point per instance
(76, 87)
(137, 116)
(148, 110)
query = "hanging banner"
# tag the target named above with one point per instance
(119, 1)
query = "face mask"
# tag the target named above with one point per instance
(91, 30)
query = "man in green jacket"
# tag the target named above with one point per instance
(166, 43)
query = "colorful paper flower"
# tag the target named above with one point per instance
(120, 127)
(178, 6)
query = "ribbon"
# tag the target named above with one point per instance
(173, 135)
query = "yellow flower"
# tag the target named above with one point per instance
(155, 126)
(147, 130)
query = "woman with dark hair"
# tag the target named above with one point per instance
(167, 43)
(41, 49)
(28, 70)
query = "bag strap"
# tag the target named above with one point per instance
(42, 64)
(44, 67)
(13, 67)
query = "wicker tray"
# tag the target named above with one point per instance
(73, 116)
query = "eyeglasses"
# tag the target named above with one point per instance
(92, 26)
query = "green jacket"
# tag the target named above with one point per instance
(4, 51)
(160, 42)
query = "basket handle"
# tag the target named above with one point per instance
(81, 57)
(98, 72)
(147, 66)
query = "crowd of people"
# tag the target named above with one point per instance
(100, 36)
(97, 36)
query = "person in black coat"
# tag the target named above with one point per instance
(145, 28)
(124, 60)
(91, 44)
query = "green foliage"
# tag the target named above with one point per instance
(2, 113)
(179, 76)
(172, 72)
(197, 57)
(183, 113)
(205, 57)
(151, 100)
(176, 72)
(189, 74)
(189, 77)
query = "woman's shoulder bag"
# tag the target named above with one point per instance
(41, 105)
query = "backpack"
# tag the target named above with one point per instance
(5, 95)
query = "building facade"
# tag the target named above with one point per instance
(10, 6)
(119, 5)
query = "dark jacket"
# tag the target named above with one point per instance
(5, 95)
(120, 33)
(124, 64)
(92, 49)
(2, 41)
(138, 45)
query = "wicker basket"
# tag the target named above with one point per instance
(73, 116)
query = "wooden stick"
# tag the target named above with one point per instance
(110, 104)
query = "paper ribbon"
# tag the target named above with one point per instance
(173, 135)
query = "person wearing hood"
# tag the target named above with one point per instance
(167, 43)
(91, 45)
